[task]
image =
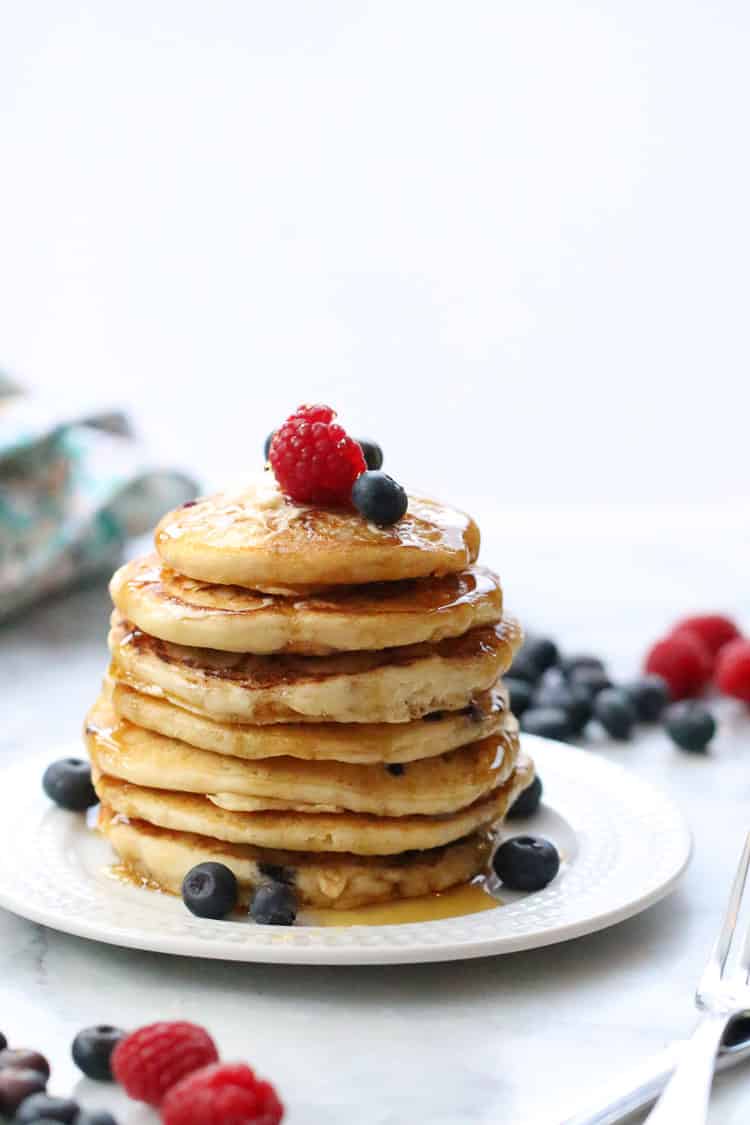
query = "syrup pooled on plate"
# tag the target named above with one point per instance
(471, 898)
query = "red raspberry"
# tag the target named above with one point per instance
(713, 629)
(683, 660)
(227, 1094)
(733, 669)
(149, 1061)
(314, 459)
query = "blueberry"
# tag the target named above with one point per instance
(524, 668)
(95, 1117)
(274, 904)
(649, 695)
(527, 802)
(42, 1107)
(397, 769)
(3, 1042)
(616, 713)
(570, 697)
(68, 783)
(520, 695)
(372, 453)
(690, 725)
(210, 890)
(267, 444)
(24, 1058)
(526, 863)
(17, 1084)
(379, 498)
(592, 679)
(571, 664)
(542, 651)
(92, 1050)
(549, 722)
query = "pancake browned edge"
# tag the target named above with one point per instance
(160, 858)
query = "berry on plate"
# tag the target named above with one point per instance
(68, 783)
(690, 725)
(226, 1094)
(714, 630)
(314, 459)
(526, 863)
(733, 670)
(649, 695)
(210, 890)
(520, 692)
(151, 1060)
(549, 722)
(528, 802)
(95, 1117)
(372, 453)
(24, 1058)
(683, 661)
(42, 1107)
(541, 651)
(571, 664)
(92, 1051)
(274, 904)
(590, 677)
(571, 697)
(379, 498)
(17, 1084)
(616, 713)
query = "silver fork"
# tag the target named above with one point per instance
(722, 994)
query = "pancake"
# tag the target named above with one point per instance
(390, 686)
(254, 537)
(163, 857)
(434, 734)
(358, 833)
(382, 615)
(431, 786)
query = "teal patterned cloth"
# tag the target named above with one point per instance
(72, 490)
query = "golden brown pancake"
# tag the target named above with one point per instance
(358, 833)
(254, 537)
(431, 786)
(392, 686)
(187, 611)
(340, 881)
(434, 734)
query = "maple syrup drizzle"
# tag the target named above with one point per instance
(472, 898)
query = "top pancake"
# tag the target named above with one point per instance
(233, 619)
(254, 537)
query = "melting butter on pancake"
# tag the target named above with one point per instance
(186, 611)
(431, 786)
(254, 537)
(434, 734)
(344, 882)
(391, 686)
(358, 833)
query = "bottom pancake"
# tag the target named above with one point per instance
(340, 881)
(360, 833)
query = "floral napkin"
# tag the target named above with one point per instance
(72, 490)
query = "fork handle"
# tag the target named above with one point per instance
(685, 1099)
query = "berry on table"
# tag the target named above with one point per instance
(733, 670)
(24, 1058)
(570, 697)
(520, 693)
(92, 1051)
(649, 695)
(690, 725)
(683, 660)
(68, 783)
(527, 803)
(17, 1084)
(616, 713)
(149, 1061)
(379, 498)
(314, 459)
(714, 629)
(210, 890)
(526, 863)
(43, 1107)
(274, 904)
(226, 1094)
(372, 453)
(549, 722)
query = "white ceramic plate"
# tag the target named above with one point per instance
(624, 843)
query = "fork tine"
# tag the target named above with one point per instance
(723, 944)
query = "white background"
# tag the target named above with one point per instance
(510, 240)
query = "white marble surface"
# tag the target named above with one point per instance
(507, 1040)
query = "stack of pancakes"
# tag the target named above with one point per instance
(305, 696)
